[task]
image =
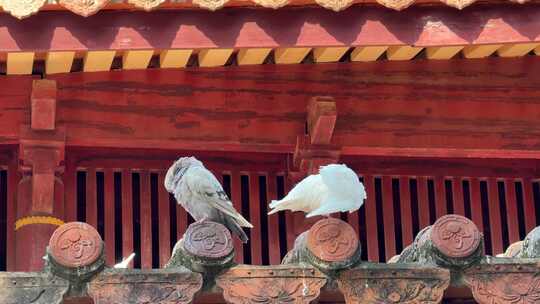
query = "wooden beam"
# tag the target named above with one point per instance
(484, 124)
(404, 52)
(214, 57)
(136, 60)
(252, 56)
(20, 63)
(290, 55)
(329, 54)
(442, 52)
(516, 50)
(97, 61)
(234, 28)
(174, 58)
(479, 51)
(367, 53)
(321, 120)
(59, 62)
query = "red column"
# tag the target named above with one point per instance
(40, 191)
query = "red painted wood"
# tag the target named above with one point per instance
(127, 214)
(91, 199)
(472, 128)
(12, 180)
(236, 28)
(70, 192)
(371, 220)
(146, 221)
(273, 223)
(237, 203)
(164, 221)
(406, 211)
(255, 219)
(388, 217)
(528, 205)
(110, 222)
(457, 196)
(423, 202)
(495, 217)
(440, 197)
(476, 203)
(181, 220)
(511, 211)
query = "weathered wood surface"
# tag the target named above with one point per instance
(485, 108)
(236, 28)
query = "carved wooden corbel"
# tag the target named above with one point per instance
(280, 284)
(505, 283)
(315, 149)
(376, 283)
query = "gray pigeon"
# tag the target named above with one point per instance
(201, 194)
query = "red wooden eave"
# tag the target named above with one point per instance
(240, 28)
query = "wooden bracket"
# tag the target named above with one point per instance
(43, 101)
(315, 149)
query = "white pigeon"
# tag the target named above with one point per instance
(200, 193)
(335, 189)
(125, 262)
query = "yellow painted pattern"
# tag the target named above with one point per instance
(31, 220)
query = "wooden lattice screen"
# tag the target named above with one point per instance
(125, 200)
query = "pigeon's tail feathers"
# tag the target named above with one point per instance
(284, 204)
(236, 229)
(227, 208)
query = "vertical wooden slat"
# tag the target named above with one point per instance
(255, 219)
(59, 62)
(406, 211)
(146, 221)
(423, 202)
(137, 59)
(511, 211)
(476, 204)
(174, 58)
(291, 221)
(495, 216)
(371, 220)
(13, 181)
(457, 196)
(70, 192)
(97, 61)
(237, 203)
(405, 52)
(388, 217)
(20, 63)
(367, 53)
(214, 57)
(91, 198)
(109, 217)
(440, 197)
(252, 56)
(164, 221)
(127, 214)
(528, 205)
(273, 223)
